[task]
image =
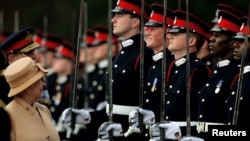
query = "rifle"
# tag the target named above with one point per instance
(163, 82)
(240, 79)
(85, 74)
(140, 116)
(16, 21)
(110, 72)
(188, 115)
(74, 89)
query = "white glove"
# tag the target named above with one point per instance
(101, 105)
(148, 117)
(82, 117)
(59, 125)
(172, 131)
(191, 138)
(106, 127)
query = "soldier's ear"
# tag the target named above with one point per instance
(192, 41)
(135, 22)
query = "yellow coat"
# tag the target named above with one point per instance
(31, 123)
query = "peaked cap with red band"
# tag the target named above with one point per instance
(53, 42)
(227, 22)
(156, 18)
(65, 50)
(101, 35)
(132, 7)
(20, 41)
(196, 25)
(243, 29)
(90, 37)
(226, 7)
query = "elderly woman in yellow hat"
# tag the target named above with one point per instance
(31, 121)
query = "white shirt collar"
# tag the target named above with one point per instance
(157, 56)
(103, 63)
(223, 63)
(127, 43)
(90, 68)
(180, 61)
(246, 69)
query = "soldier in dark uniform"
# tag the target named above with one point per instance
(215, 92)
(226, 7)
(176, 90)
(45, 55)
(15, 46)
(97, 79)
(46, 52)
(244, 99)
(126, 66)
(154, 39)
(59, 83)
(204, 53)
(97, 89)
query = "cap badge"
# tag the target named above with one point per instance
(242, 26)
(118, 2)
(175, 19)
(28, 36)
(220, 19)
(151, 15)
(96, 34)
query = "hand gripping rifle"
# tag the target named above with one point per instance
(240, 79)
(74, 90)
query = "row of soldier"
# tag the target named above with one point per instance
(213, 87)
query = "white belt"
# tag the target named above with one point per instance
(184, 123)
(121, 109)
(203, 126)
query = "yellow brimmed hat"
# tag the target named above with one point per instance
(23, 73)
